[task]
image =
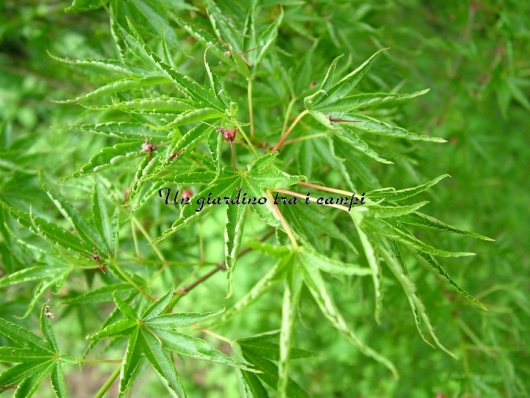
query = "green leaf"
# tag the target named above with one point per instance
(291, 302)
(275, 275)
(398, 234)
(120, 328)
(270, 375)
(397, 195)
(195, 348)
(235, 224)
(434, 266)
(203, 37)
(315, 283)
(348, 136)
(425, 221)
(377, 211)
(161, 362)
(127, 130)
(125, 308)
(265, 345)
(46, 329)
(149, 106)
(191, 116)
(40, 359)
(186, 85)
(119, 86)
(348, 82)
(86, 231)
(27, 375)
(100, 295)
(52, 233)
(110, 65)
(374, 126)
(31, 274)
(265, 41)
(215, 84)
(23, 336)
(58, 382)
(223, 186)
(158, 306)
(410, 289)
(373, 262)
(101, 220)
(132, 360)
(223, 28)
(172, 321)
(189, 140)
(85, 5)
(308, 255)
(110, 157)
(352, 102)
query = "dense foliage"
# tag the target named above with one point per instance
(123, 121)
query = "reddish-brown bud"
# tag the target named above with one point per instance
(228, 134)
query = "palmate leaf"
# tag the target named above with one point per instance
(410, 290)
(54, 234)
(397, 233)
(203, 37)
(432, 265)
(378, 211)
(38, 359)
(156, 106)
(118, 86)
(273, 277)
(185, 84)
(291, 299)
(261, 177)
(126, 130)
(302, 220)
(351, 138)
(86, 230)
(109, 157)
(151, 335)
(224, 28)
(260, 351)
(374, 126)
(330, 92)
(352, 102)
(397, 195)
(104, 225)
(85, 5)
(372, 259)
(110, 65)
(313, 280)
(50, 276)
(235, 224)
(425, 221)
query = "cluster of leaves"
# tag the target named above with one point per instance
(186, 72)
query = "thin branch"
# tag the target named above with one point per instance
(283, 222)
(186, 289)
(291, 127)
(324, 188)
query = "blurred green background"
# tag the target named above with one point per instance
(475, 59)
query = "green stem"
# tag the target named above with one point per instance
(99, 361)
(288, 113)
(242, 132)
(291, 127)
(128, 279)
(108, 383)
(150, 240)
(250, 110)
(283, 222)
(308, 137)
